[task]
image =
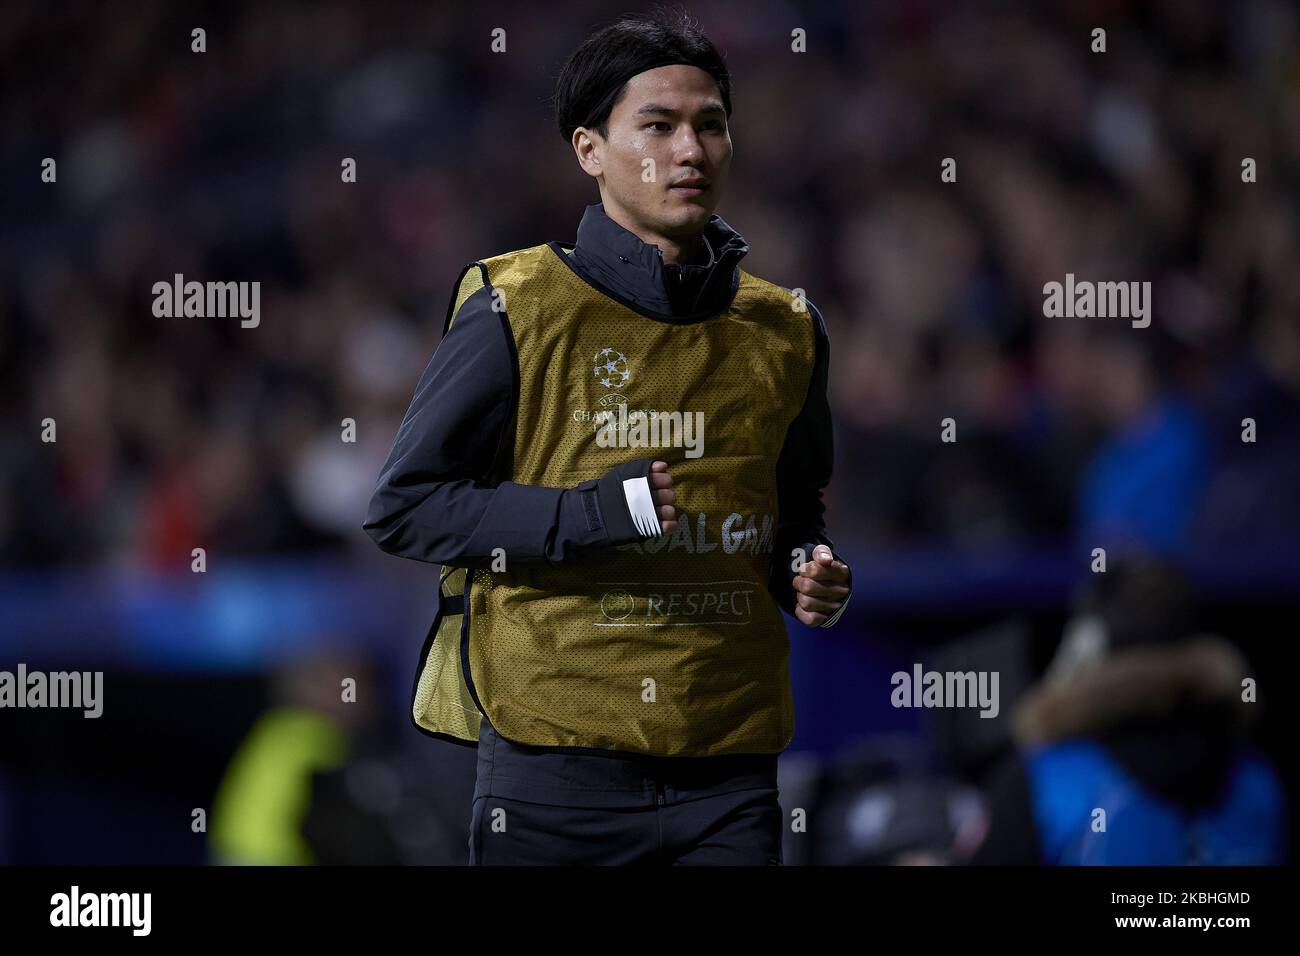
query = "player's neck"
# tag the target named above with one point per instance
(681, 251)
(678, 250)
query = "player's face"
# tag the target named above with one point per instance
(669, 127)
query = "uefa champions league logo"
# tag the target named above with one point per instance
(618, 427)
(611, 368)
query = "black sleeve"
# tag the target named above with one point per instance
(442, 496)
(803, 471)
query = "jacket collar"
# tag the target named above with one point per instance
(619, 262)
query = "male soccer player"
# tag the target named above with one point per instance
(609, 630)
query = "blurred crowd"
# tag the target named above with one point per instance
(225, 165)
(1123, 165)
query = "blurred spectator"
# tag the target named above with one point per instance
(1141, 490)
(323, 780)
(1133, 750)
(264, 801)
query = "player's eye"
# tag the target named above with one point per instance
(657, 123)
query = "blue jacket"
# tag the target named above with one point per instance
(1142, 759)
(1069, 780)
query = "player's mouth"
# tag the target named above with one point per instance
(689, 187)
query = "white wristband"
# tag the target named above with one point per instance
(642, 506)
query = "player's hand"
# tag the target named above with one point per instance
(661, 487)
(821, 586)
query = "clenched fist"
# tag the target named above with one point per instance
(821, 587)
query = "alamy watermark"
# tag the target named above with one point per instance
(211, 300)
(651, 429)
(1102, 300)
(618, 426)
(75, 908)
(923, 688)
(74, 689)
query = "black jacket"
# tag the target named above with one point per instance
(436, 501)
(444, 495)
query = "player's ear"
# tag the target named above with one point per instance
(586, 145)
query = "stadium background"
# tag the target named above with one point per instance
(181, 433)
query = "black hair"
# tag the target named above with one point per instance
(595, 75)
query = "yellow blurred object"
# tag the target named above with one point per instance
(264, 797)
